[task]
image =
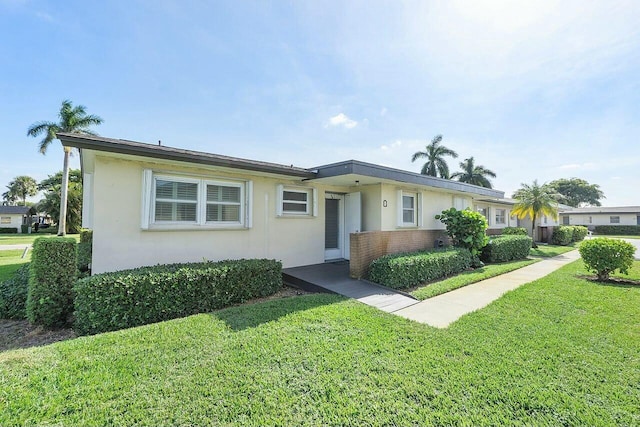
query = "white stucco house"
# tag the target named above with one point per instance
(592, 216)
(149, 204)
(15, 217)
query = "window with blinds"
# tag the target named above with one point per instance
(179, 202)
(296, 202)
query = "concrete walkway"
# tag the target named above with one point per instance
(14, 247)
(442, 310)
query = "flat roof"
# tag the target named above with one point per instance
(122, 146)
(357, 167)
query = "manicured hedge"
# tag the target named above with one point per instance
(579, 233)
(8, 230)
(507, 248)
(53, 273)
(562, 235)
(604, 256)
(85, 250)
(13, 295)
(111, 301)
(400, 271)
(618, 230)
(518, 231)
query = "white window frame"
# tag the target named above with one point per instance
(504, 217)
(311, 205)
(417, 209)
(616, 217)
(148, 221)
(5, 220)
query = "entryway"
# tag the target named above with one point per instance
(342, 216)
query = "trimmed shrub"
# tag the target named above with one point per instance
(579, 233)
(404, 270)
(467, 229)
(8, 230)
(53, 273)
(562, 235)
(507, 248)
(112, 301)
(13, 295)
(604, 256)
(618, 230)
(514, 231)
(85, 250)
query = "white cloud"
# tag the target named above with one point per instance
(383, 112)
(576, 166)
(341, 120)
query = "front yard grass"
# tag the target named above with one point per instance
(468, 277)
(27, 239)
(10, 261)
(547, 251)
(558, 351)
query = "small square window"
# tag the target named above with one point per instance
(295, 201)
(614, 219)
(5, 220)
(501, 216)
(565, 220)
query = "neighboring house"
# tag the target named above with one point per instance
(498, 213)
(592, 216)
(15, 216)
(150, 204)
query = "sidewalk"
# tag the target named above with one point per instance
(442, 310)
(14, 247)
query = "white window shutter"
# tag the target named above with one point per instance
(145, 213)
(419, 209)
(315, 202)
(249, 205)
(279, 192)
(399, 208)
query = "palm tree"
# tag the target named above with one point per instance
(21, 187)
(72, 120)
(474, 174)
(435, 153)
(533, 201)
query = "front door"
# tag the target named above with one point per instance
(333, 226)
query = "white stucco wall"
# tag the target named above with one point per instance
(119, 241)
(16, 221)
(491, 217)
(600, 219)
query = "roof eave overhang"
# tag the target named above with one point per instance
(385, 173)
(147, 150)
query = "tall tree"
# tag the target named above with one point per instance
(20, 188)
(71, 120)
(435, 154)
(51, 201)
(577, 192)
(474, 174)
(534, 201)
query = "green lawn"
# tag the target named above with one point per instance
(467, 278)
(617, 237)
(559, 351)
(10, 261)
(546, 251)
(27, 239)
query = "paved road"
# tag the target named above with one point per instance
(636, 243)
(14, 247)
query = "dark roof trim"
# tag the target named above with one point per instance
(16, 210)
(133, 148)
(383, 172)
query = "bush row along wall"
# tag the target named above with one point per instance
(401, 271)
(566, 234)
(507, 248)
(111, 301)
(619, 230)
(370, 245)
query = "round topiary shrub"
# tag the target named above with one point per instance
(467, 229)
(604, 256)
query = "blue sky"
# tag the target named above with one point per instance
(533, 90)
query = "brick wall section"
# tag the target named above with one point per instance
(369, 245)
